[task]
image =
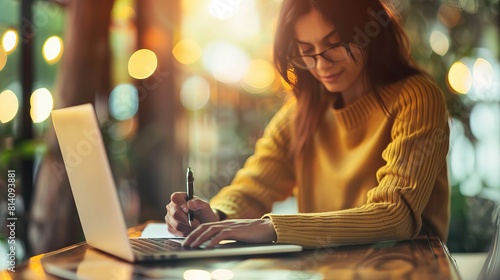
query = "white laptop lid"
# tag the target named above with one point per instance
(91, 180)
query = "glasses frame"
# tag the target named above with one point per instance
(322, 54)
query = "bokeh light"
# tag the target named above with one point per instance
(245, 24)
(52, 49)
(3, 58)
(449, 15)
(9, 105)
(42, 104)
(142, 64)
(123, 102)
(121, 130)
(223, 9)
(483, 75)
(460, 77)
(222, 274)
(471, 186)
(456, 129)
(439, 42)
(462, 159)
(469, 6)
(485, 121)
(260, 75)
(484, 124)
(196, 274)
(122, 11)
(488, 165)
(187, 51)
(227, 62)
(9, 40)
(195, 93)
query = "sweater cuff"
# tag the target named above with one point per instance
(270, 217)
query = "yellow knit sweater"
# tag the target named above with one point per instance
(367, 176)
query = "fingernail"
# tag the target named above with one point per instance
(192, 204)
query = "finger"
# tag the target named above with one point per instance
(207, 234)
(179, 229)
(178, 213)
(173, 226)
(223, 234)
(194, 235)
(197, 204)
(195, 223)
(175, 232)
(178, 198)
(170, 228)
(177, 220)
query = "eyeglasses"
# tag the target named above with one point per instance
(335, 53)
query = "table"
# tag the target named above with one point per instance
(425, 257)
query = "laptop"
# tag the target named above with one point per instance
(92, 184)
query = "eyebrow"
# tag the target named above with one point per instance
(324, 38)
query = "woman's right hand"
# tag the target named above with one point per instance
(177, 209)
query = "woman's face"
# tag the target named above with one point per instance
(314, 34)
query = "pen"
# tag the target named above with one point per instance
(190, 191)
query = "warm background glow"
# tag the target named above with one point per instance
(227, 62)
(195, 93)
(221, 9)
(260, 75)
(187, 51)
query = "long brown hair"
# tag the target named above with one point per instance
(374, 27)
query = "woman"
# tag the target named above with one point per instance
(362, 145)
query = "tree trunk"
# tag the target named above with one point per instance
(156, 154)
(83, 74)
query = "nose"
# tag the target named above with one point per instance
(322, 63)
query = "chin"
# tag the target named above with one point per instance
(334, 88)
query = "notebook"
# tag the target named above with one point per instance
(96, 199)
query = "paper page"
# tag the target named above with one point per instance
(157, 230)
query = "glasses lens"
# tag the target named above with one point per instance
(336, 54)
(304, 62)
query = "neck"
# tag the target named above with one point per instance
(357, 89)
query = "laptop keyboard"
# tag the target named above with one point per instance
(153, 246)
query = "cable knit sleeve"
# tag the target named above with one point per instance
(393, 210)
(267, 175)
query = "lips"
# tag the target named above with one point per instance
(332, 78)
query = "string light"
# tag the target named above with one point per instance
(460, 77)
(52, 49)
(9, 105)
(42, 104)
(10, 40)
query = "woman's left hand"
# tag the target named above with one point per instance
(245, 230)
